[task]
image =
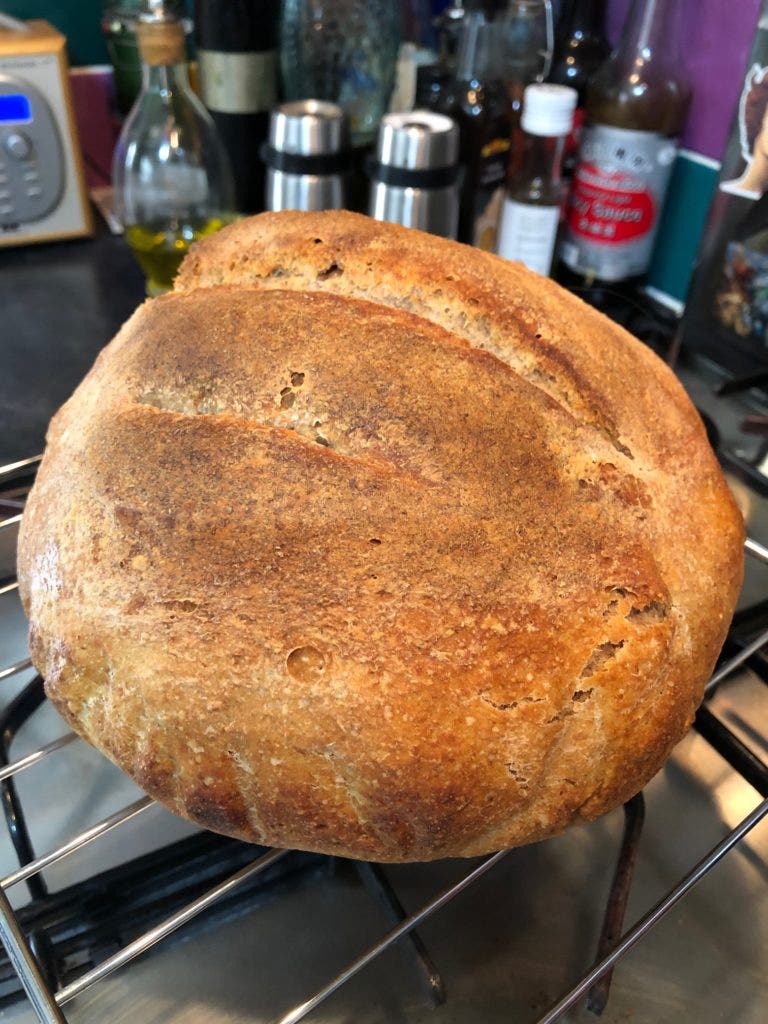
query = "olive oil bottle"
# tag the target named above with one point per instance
(160, 248)
(171, 174)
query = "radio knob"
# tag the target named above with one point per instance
(18, 145)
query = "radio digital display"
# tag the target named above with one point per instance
(15, 108)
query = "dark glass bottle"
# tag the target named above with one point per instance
(581, 45)
(479, 102)
(237, 59)
(433, 81)
(636, 107)
(580, 49)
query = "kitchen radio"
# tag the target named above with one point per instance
(42, 190)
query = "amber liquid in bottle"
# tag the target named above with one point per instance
(534, 195)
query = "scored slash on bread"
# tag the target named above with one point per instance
(366, 542)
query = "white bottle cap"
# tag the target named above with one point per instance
(548, 109)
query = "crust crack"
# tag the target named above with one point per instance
(599, 657)
(508, 705)
(373, 462)
(473, 329)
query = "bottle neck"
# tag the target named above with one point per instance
(587, 17)
(166, 79)
(651, 32)
(163, 55)
(478, 48)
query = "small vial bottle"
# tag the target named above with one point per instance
(532, 204)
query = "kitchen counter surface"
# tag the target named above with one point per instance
(59, 305)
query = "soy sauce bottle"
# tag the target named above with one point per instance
(636, 107)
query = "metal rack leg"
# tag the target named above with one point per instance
(613, 924)
(11, 720)
(377, 883)
(26, 967)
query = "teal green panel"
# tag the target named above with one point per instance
(78, 20)
(682, 223)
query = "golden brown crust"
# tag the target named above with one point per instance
(323, 571)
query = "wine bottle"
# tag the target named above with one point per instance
(237, 58)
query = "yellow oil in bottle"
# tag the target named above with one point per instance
(159, 249)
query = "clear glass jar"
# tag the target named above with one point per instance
(343, 51)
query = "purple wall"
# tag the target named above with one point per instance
(716, 38)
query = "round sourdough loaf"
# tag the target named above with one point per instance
(365, 542)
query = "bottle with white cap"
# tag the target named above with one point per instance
(531, 213)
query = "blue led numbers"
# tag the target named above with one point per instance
(15, 108)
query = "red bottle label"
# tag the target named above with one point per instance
(610, 206)
(617, 193)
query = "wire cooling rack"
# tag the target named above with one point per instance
(27, 953)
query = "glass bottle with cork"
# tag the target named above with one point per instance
(170, 172)
(636, 107)
(531, 213)
(580, 48)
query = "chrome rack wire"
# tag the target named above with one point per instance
(644, 925)
(18, 468)
(47, 1001)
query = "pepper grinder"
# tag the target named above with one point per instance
(415, 174)
(307, 157)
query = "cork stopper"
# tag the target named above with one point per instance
(161, 42)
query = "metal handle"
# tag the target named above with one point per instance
(550, 51)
